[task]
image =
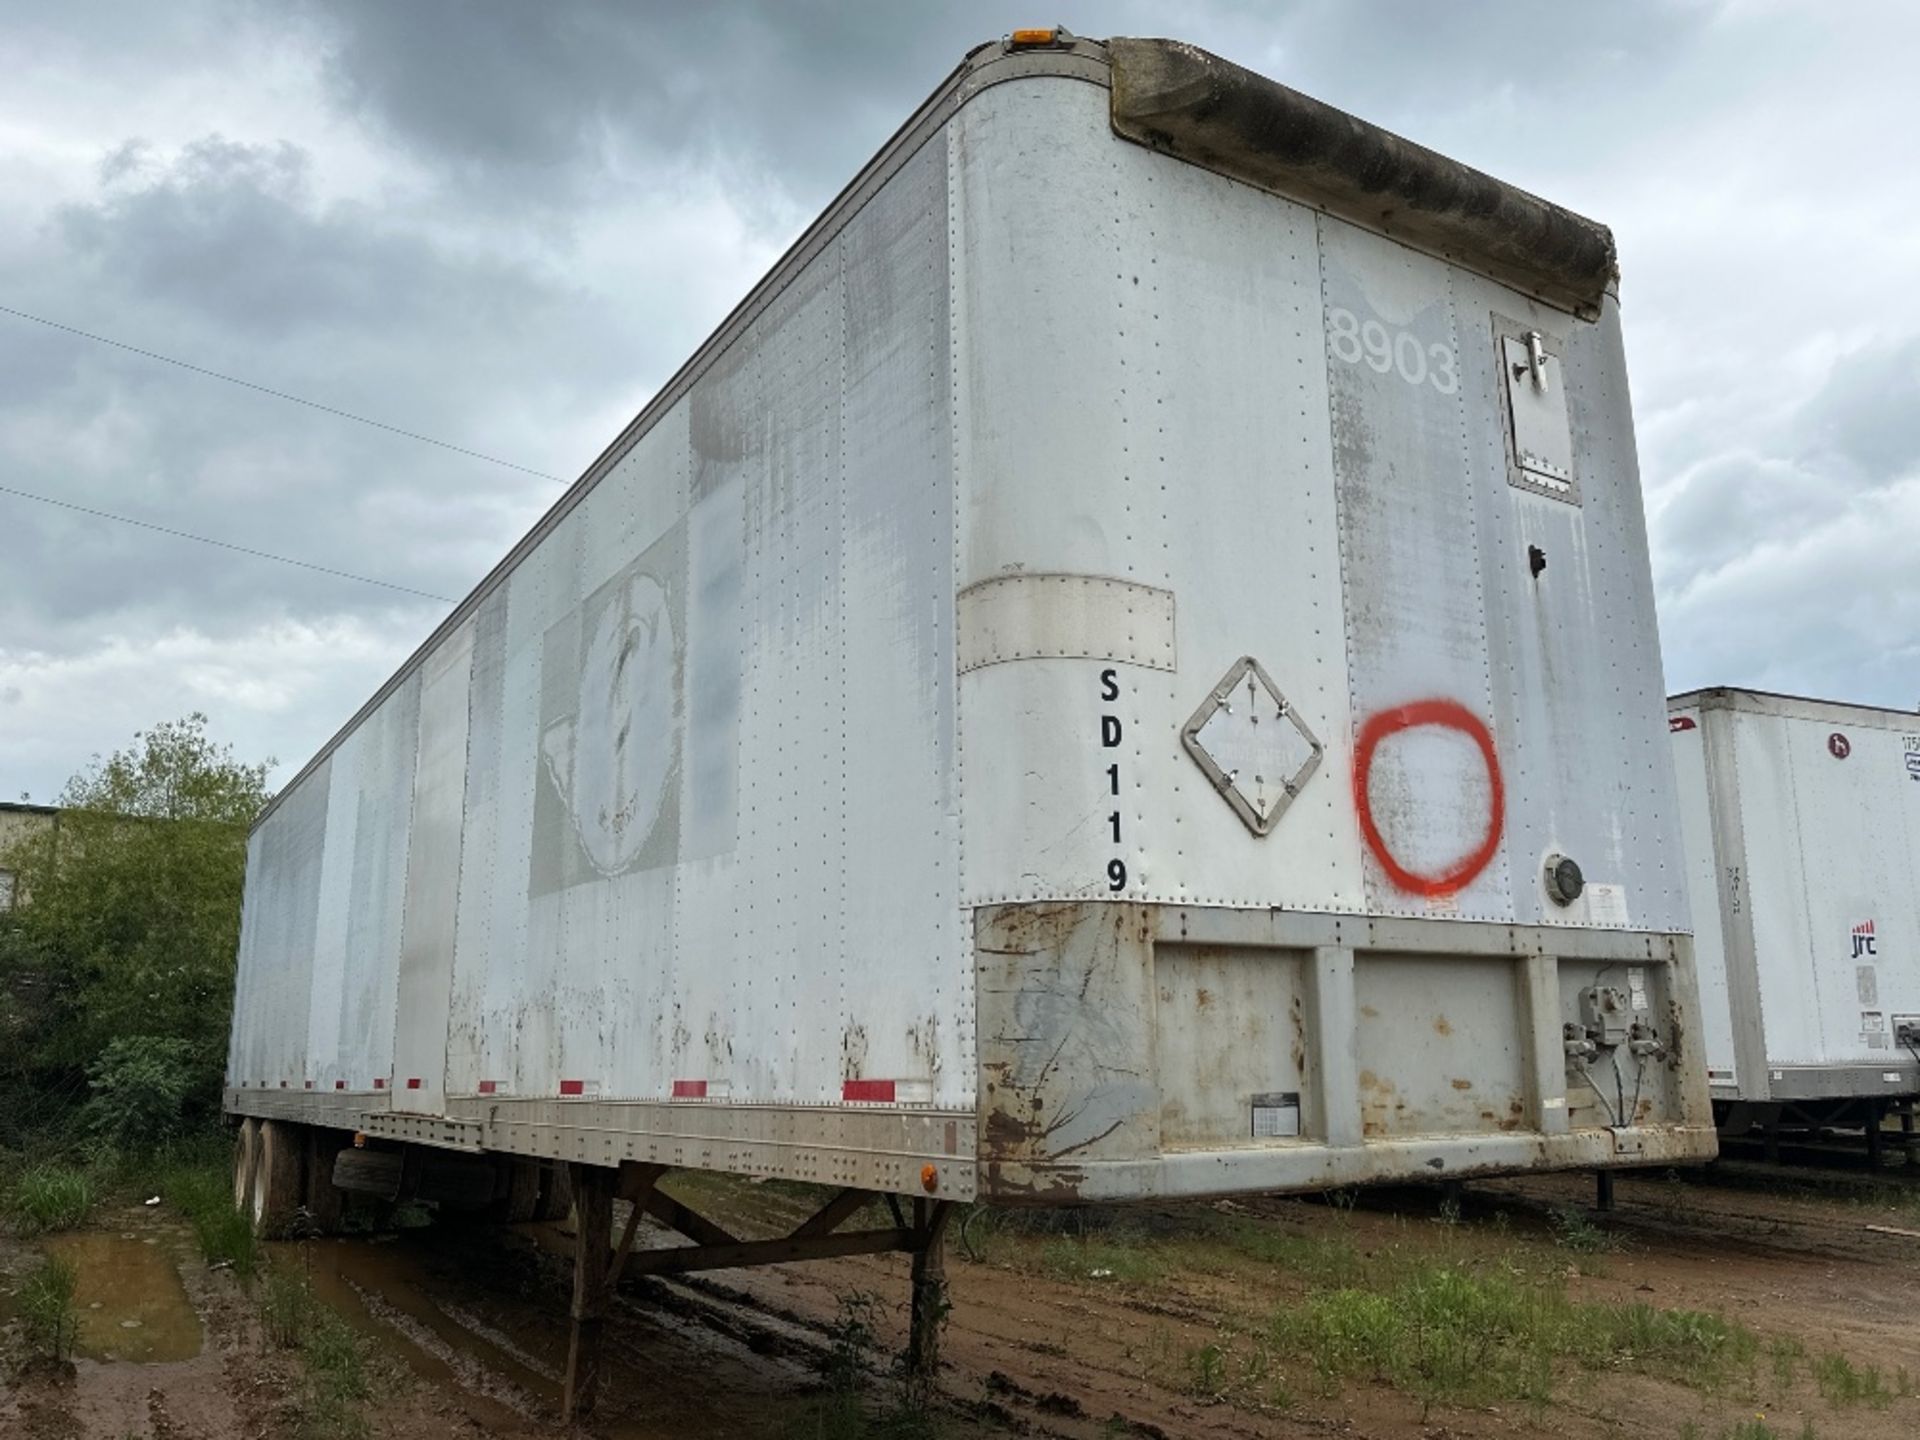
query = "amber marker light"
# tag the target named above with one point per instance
(1021, 38)
(929, 1179)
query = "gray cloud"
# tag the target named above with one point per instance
(505, 224)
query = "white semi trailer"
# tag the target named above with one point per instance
(1126, 668)
(1802, 827)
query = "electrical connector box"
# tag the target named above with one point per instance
(1605, 1013)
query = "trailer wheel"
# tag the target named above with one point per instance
(326, 1203)
(276, 1178)
(556, 1193)
(519, 1197)
(246, 1148)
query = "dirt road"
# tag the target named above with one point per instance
(1501, 1312)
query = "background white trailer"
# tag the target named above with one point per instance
(1802, 826)
(1087, 686)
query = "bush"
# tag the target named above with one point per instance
(49, 1197)
(46, 1308)
(141, 1084)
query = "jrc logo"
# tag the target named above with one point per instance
(1863, 941)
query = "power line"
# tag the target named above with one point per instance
(279, 394)
(222, 544)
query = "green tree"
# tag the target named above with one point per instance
(130, 915)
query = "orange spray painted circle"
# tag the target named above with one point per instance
(1447, 715)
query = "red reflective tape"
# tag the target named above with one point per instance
(379, 1083)
(573, 1087)
(689, 1089)
(866, 1090)
(413, 1082)
(339, 1084)
(1676, 723)
(309, 1084)
(487, 1087)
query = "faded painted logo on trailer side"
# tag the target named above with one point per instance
(609, 729)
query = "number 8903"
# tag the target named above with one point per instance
(1384, 350)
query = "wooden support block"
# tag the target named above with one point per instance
(636, 1184)
(675, 1216)
(930, 1305)
(593, 1187)
(739, 1254)
(834, 1213)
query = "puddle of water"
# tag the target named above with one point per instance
(462, 1324)
(386, 1292)
(129, 1299)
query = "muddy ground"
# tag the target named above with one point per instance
(1158, 1323)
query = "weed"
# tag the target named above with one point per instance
(49, 1197)
(1574, 1231)
(851, 1343)
(45, 1301)
(1842, 1384)
(286, 1309)
(1206, 1371)
(1448, 1331)
(1754, 1429)
(335, 1374)
(1787, 1355)
(1089, 1259)
(201, 1189)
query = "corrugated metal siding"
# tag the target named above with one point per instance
(702, 754)
(1150, 392)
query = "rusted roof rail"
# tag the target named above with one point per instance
(1179, 99)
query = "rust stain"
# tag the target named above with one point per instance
(1369, 1012)
(1441, 1025)
(1379, 1102)
(1202, 997)
(1459, 1084)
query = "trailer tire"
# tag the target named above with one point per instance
(246, 1150)
(276, 1178)
(556, 1192)
(326, 1203)
(519, 1194)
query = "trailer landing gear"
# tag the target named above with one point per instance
(599, 1263)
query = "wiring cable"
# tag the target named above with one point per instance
(222, 544)
(278, 394)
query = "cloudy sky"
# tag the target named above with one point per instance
(504, 224)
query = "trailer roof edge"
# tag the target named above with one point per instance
(984, 66)
(1183, 101)
(1793, 707)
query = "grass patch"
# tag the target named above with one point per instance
(1452, 1332)
(1841, 1382)
(1574, 1231)
(201, 1188)
(335, 1380)
(47, 1197)
(850, 1408)
(45, 1301)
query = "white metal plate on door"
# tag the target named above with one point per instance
(1541, 434)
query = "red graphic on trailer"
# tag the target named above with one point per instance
(1839, 746)
(1447, 715)
(1863, 941)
